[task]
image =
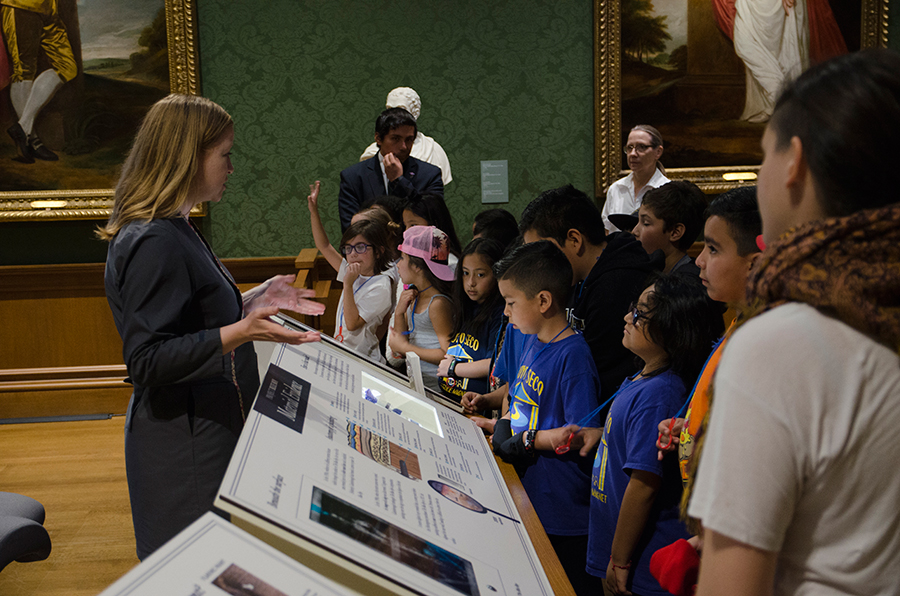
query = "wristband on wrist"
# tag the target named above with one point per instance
(451, 370)
(529, 441)
(626, 566)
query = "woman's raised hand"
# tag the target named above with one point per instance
(279, 292)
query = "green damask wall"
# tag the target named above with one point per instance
(305, 81)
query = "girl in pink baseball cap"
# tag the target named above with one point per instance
(423, 319)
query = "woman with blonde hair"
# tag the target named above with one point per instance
(186, 329)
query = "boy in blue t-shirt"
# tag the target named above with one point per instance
(555, 384)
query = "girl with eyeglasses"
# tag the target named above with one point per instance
(366, 252)
(634, 496)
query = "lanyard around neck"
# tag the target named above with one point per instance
(415, 304)
(533, 360)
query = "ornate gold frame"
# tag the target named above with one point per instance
(96, 204)
(608, 97)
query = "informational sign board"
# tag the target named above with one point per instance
(214, 557)
(495, 181)
(345, 462)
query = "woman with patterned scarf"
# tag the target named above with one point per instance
(797, 485)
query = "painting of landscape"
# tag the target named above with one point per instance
(120, 49)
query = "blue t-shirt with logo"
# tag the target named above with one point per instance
(629, 443)
(472, 346)
(508, 360)
(554, 385)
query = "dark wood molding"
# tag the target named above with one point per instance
(100, 371)
(61, 353)
(257, 270)
(86, 279)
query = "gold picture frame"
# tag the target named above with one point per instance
(608, 100)
(181, 34)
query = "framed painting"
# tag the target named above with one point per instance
(72, 106)
(687, 68)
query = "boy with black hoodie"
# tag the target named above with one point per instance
(609, 274)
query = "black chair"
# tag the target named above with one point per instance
(22, 534)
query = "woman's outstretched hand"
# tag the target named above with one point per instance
(257, 326)
(279, 292)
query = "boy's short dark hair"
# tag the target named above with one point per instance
(391, 204)
(536, 267)
(497, 224)
(557, 211)
(678, 202)
(739, 209)
(393, 118)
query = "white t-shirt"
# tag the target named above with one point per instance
(373, 300)
(620, 197)
(802, 450)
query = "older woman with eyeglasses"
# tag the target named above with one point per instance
(642, 151)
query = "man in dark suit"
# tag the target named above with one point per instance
(392, 171)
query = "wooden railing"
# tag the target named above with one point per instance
(60, 353)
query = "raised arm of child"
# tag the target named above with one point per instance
(318, 230)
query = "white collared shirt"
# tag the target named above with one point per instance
(383, 174)
(620, 197)
(424, 149)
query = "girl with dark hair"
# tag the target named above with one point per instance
(366, 252)
(431, 210)
(424, 314)
(634, 495)
(795, 484)
(426, 210)
(477, 299)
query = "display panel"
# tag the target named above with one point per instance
(213, 557)
(349, 462)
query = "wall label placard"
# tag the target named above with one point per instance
(495, 181)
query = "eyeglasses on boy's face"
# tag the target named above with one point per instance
(639, 147)
(637, 314)
(360, 248)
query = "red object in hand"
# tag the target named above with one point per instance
(659, 444)
(565, 448)
(676, 568)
